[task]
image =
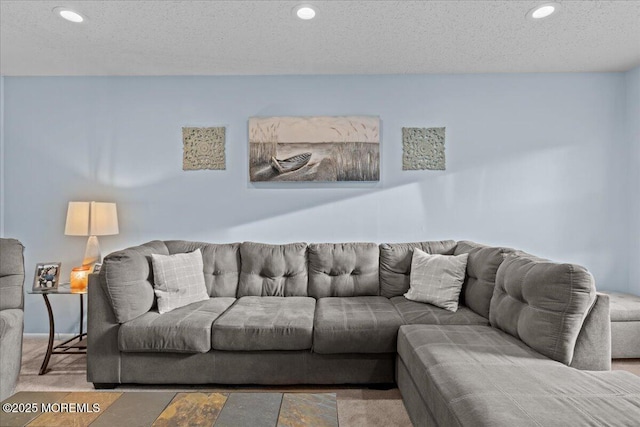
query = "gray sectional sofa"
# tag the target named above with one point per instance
(529, 333)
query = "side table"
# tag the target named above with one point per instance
(75, 345)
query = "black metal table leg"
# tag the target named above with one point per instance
(52, 328)
(81, 317)
(65, 347)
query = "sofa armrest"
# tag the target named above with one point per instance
(103, 355)
(127, 276)
(593, 346)
(11, 274)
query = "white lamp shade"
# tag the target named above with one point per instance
(91, 219)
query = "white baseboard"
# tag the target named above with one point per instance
(46, 336)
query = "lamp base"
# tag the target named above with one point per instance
(92, 252)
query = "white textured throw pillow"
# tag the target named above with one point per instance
(437, 279)
(178, 280)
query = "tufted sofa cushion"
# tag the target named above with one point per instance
(542, 303)
(395, 263)
(343, 270)
(221, 264)
(482, 267)
(128, 276)
(273, 270)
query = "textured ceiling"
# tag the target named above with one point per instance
(347, 37)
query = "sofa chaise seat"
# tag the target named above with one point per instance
(625, 325)
(479, 375)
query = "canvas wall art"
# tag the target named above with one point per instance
(423, 148)
(317, 148)
(203, 148)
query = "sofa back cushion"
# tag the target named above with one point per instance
(221, 265)
(343, 269)
(128, 279)
(395, 263)
(542, 303)
(11, 274)
(482, 267)
(273, 270)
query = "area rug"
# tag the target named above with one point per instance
(356, 406)
(164, 409)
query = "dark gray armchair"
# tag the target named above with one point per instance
(11, 314)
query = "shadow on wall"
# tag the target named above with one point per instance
(529, 164)
(185, 200)
(498, 197)
(539, 201)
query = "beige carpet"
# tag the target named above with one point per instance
(631, 365)
(357, 407)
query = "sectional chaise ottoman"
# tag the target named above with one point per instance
(521, 349)
(625, 325)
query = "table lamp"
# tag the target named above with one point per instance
(91, 219)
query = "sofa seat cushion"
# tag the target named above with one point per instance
(266, 323)
(477, 375)
(183, 330)
(355, 325)
(414, 313)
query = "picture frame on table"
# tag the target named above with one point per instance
(47, 276)
(96, 267)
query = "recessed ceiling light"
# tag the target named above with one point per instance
(543, 10)
(68, 14)
(305, 11)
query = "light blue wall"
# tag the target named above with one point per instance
(632, 85)
(1, 156)
(534, 161)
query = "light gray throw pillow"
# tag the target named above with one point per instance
(437, 279)
(179, 280)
